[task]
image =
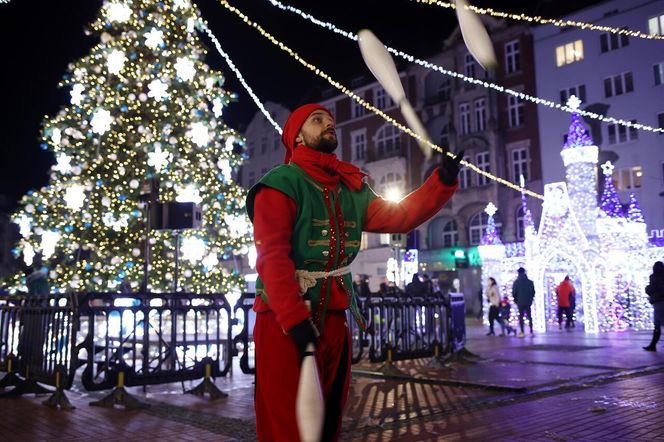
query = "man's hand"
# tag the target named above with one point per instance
(303, 334)
(449, 168)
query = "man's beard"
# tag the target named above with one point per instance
(323, 144)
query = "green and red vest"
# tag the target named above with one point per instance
(326, 234)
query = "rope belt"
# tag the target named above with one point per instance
(307, 279)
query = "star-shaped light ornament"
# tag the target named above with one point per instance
(75, 196)
(607, 168)
(188, 194)
(181, 4)
(193, 249)
(574, 102)
(238, 225)
(101, 121)
(158, 90)
(63, 164)
(490, 209)
(191, 23)
(199, 134)
(115, 61)
(229, 143)
(56, 136)
(28, 254)
(184, 68)
(24, 225)
(211, 260)
(217, 107)
(48, 242)
(154, 38)
(225, 166)
(77, 94)
(522, 181)
(159, 159)
(118, 12)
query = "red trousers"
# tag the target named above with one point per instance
(278, 373)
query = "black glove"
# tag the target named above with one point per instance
(303, 334)
(449, 168)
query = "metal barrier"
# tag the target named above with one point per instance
(143, 339)
(153, 339)
(406, 328)
(246, 336)
(38, 334)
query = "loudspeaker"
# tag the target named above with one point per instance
(177, 216)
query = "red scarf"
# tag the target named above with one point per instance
(326, 168)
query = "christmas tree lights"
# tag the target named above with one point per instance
(144, 108)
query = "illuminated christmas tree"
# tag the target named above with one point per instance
(491, 237)
(634, 212)
(145, 111)
(610, 203)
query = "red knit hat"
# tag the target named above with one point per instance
(294, 123)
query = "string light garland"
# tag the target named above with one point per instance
(546, 21)
(364, 103)
(202, 25)
(471, 80)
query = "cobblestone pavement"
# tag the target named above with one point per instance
(551, 387)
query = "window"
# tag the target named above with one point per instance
(656, 25)
(464, 118)
(480, 114)
(358, 109)
(263, 144)
(445, 135)
(464, 176)
(627, 178)
(276, 141)
(390, 181)
(388, 140)
(482, 162)
(445, 90)
(512, 57)
(515, 111)
(520, 163)
(660, 120)
(569, 53)
(618, 84)
(621, 134)
(381, 99)
(450, 234)
(358, 142)
(469, 65)
(579, 91)
(611, 42)
(658, 70)
(520, 223)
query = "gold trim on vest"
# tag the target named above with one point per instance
(318, 242)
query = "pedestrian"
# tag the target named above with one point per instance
(504, 317)
(37, 280)
(428, 284)
(416, 287)
(564, 292)
(523, 292)
(308, 215)
(493, 296)
(655, 291)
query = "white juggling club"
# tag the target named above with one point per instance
(309, 403)
(382, 66)
(475, 36)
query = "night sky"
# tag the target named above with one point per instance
(39, 38)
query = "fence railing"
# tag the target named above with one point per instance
(143, 339)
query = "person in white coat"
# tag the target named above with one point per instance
(493, 295)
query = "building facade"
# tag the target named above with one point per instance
(618, 76)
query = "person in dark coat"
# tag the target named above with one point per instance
(523, 292)
(416, 287)
(655, 291)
